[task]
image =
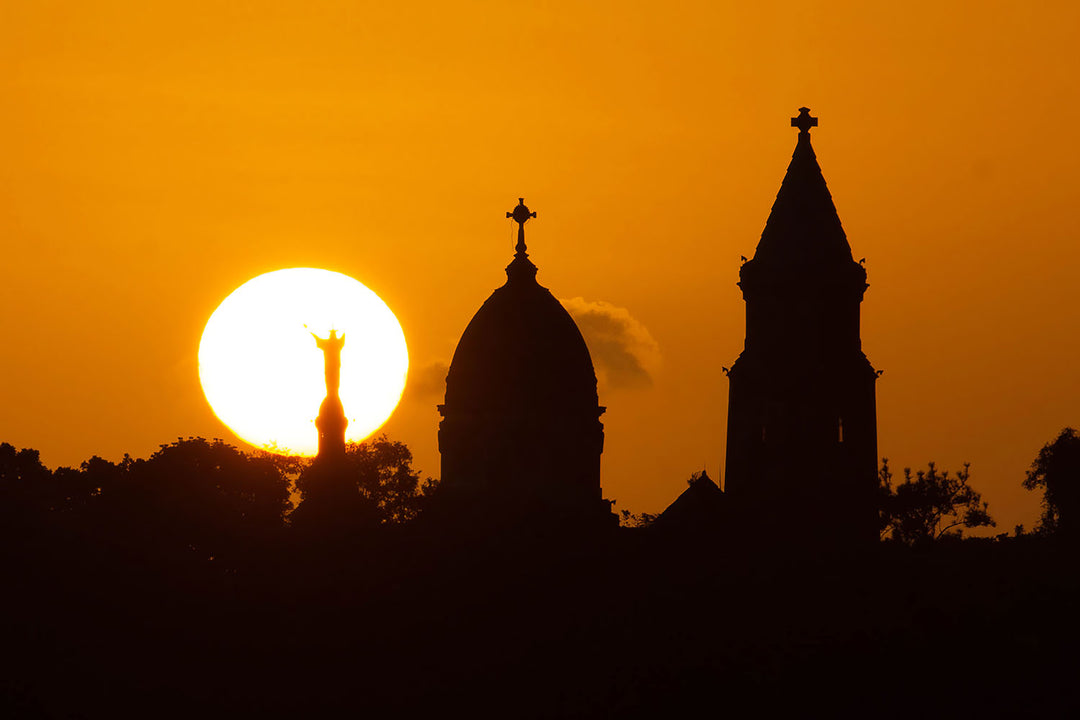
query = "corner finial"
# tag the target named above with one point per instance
(521, 215)
(804, 122)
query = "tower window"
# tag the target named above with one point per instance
(840, 428)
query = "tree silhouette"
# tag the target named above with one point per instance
(384, 473)
(636, 520)
(192, 496)
(375, 483)
(25, 484)
(1056, 470)
(929, 505)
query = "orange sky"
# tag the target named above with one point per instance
(154, 156)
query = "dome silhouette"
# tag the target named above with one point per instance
(521, 348)
(521, 434)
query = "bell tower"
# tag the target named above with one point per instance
(802, 418)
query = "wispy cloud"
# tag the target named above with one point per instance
(427, 383)
(623, 351)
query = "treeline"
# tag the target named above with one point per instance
(207, 500)
(932, 505)
(196, 498)
(190, 583)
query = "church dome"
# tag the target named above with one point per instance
(523, 351)
(521, 436)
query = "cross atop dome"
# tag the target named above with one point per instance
(521, 215)
(804, 121)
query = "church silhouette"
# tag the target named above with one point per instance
(521, 435)
(521, 438)
(802, 418)
(186, 583)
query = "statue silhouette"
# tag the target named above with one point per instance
(331, 422)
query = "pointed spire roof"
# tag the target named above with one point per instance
(699, 507)
(803, 229)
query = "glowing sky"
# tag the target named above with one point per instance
(154, 156)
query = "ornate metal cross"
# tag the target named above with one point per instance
(804, 122)
(521, 215)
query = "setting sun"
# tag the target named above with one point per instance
(262, 371)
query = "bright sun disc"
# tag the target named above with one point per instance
(263, 374)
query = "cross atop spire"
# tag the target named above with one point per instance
(521, 215)
(804, 122)
(803, 232)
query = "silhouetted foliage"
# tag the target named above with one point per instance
(375, 483)
(1056, 470)
(25, 484)
(193, 495)
(929, 505)
(384, 473)
(636, 520)
(332, 505)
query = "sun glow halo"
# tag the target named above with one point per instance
(263, 374)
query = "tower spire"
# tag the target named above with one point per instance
(815, 420)
(803, 231)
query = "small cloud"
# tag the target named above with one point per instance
(623, 351)
(426, 384)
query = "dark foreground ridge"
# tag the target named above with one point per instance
(122, 599)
